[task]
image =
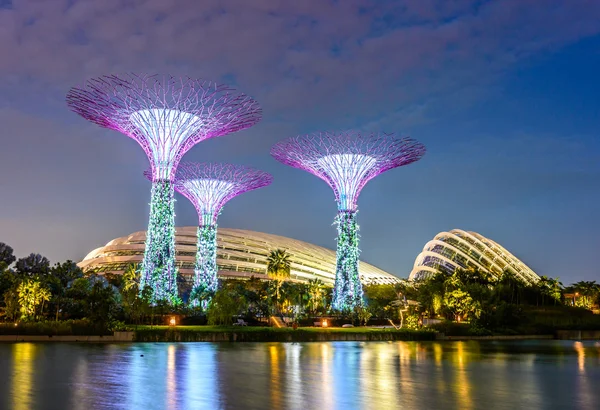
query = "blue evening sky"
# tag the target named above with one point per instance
(504, 94)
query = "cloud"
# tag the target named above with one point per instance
(324, 57)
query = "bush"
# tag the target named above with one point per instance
(63, 328)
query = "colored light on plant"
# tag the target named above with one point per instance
(167, 116)
(209, 187)
(346, 161)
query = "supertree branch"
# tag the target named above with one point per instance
(166, 116)
(347, 161)
(209, 186)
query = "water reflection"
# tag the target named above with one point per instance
(344, 375)
(22, 377)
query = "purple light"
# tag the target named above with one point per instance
(347, 160)
(165, 115)
(209, 186)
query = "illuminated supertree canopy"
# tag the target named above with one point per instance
(209, 186)
(347, 161)
(166, 116)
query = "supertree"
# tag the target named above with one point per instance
(347, 161)
(167, 116)
(209, 186)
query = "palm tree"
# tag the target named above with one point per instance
(316, 293)
(278, 269)
(131, 277)
(588, 292)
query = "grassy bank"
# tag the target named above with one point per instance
(269, 334)
(52, 328)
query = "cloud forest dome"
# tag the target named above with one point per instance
(463, 249)
(240, 254)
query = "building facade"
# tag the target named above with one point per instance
(461, 249)
(240, 254)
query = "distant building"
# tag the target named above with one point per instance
(240, 254)
(462, 249)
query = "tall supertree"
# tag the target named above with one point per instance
(209, 186)
(167, 116)
(347, 161)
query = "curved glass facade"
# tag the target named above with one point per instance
(240, 253)
(462, 249)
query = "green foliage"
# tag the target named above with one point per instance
(33, 265)
(378, 298)
(278, 269)
(347, 290)
(411, 322)
(316, 295)
(362, 315)
(205, 272)
(224, 307)
(32, 294)
(158, 266)
(52, 328)
(6, 255)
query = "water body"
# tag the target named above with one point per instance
(337, 375)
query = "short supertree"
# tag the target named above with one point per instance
(167, 116)
(347, 161)
(209, 186)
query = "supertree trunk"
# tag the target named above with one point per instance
(347, 291)
(205, 272)
(158, 267)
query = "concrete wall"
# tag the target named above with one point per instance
(578, 334)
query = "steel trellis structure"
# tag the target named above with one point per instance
(209, 186)
(347, 161)
(166, 116)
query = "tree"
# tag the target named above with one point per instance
(7, 278)
(101, 303)
(278, 269)
(33, 265)
(549, 287)
(457, 298)
(6, 254)
(316, 294)
(223, 307)
(60, 277)
(135, 306)
(11, 303)
(587, 292)
(31, 295)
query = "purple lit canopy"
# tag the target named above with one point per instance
(164, 114)
(347, 160)
(209, 186)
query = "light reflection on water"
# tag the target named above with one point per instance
(338, 375)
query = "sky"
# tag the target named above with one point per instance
(505, 94)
